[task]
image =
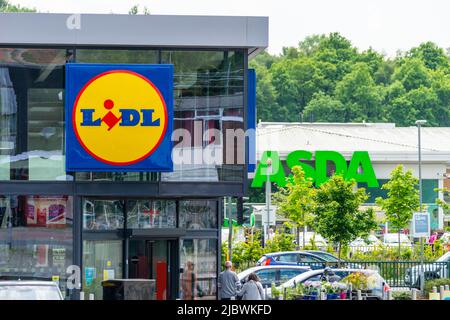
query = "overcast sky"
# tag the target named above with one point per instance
(385, 25)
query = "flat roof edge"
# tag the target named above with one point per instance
(48, 29)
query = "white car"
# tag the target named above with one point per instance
(365, 245)
(391, 240)
(276, 274)
(312, 237)
(29, 290)
(377, 287)
(437, 270)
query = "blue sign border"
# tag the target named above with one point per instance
(77, 159)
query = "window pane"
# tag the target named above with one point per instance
(102, 214)
(198, 214)
(117, 56)
(117, 176)
(102, 260)
(151, 214)
(198, 260)
(209, 104)
(32, 114)
(35, 238)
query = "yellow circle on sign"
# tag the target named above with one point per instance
(120, 117)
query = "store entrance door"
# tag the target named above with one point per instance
(151, 259)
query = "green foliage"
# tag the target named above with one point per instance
(337, 214)
(326, 79)
(435, 283)
(401, 295)
(135, 10)
(5, 6)
(296, 200)
(402, 199)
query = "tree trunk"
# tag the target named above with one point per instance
(304, 237)
(339, 255)
(298, 237)
(399, 247)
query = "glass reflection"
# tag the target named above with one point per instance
(146, 214)
(32, 114)
(198, 214)
(103, 214)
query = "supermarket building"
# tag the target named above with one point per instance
(142, 224)
(387, 145)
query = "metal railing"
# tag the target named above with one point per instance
(396, 273)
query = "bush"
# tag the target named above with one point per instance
(435, 283)
(401, 295)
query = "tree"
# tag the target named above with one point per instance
(134, 10)
(360, 95)
(337, 216)
(296, 200)
(5, 6)
(431, 55)
(402, 199)
(324, 108)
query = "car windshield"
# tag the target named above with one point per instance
(326, 257)
(30, 292)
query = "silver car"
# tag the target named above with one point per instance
(29, 290)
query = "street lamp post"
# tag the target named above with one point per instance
(419, 123)
(268, 200)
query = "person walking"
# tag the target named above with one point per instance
(228, 282)
(252, 289)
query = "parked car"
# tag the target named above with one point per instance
(391, 240)
(273, 274)
(29, 290)
(310, 258)
(377, 288)
(364, 244)
(312, 237)
(430, 270)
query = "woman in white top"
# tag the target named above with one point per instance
(252, 289)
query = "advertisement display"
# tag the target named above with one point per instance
(421, 225)
(43, 211)
(119, 117)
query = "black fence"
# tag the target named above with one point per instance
(396, 273)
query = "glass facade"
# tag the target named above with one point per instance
(36, 238)
(112, 234)
(40, 234)
(32, 114)
(198, 260)
(429, 194)
(209, 144)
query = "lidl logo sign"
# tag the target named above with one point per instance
(119, 117)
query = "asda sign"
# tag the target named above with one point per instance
(360, 167)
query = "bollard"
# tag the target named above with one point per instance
(284, 293)
(350, 293)
(358, 295)
(434, 290)
(446, 287)
(414, 294)
(81, 295)
(265, 293)
(91, 296)
(441, 292)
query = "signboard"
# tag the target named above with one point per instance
(119, 117)
(359, 168)
(421, 225)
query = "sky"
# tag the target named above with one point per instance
(385, 25)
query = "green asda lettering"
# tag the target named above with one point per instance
(360, 159)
